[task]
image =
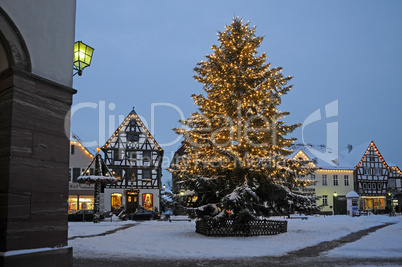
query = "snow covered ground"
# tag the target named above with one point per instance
(179, 240)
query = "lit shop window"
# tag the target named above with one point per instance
(72, 203)
(147, 201)
(116, 200)
(86, 203)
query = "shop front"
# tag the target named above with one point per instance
(80, 202)
(373, 204)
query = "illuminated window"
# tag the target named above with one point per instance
(336, 180)
(72, 203)
(346, 180)
(86, 202)
(147, 201)
(131, 174)
(116, 201)
(324, 179)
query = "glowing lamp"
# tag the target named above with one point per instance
(335, 194)
(82, 56)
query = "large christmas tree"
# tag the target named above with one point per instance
(237, 163)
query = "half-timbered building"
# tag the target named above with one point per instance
(395, 188)
(135, 159)
(371, 181)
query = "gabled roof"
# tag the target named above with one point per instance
(130, 116)
(102, 172)
(80, 146)
(302, 155)
(395, 172)
(322, 156)
(376, 151)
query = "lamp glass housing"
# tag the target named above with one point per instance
(82, 56)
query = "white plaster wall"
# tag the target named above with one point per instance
(48, 28)
(80, 158)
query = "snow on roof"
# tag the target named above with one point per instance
(352, 194)
(96, 178)
(323, 156)
(327, 158)
(356, 154)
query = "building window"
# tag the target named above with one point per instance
(374, 186)
(147, 201)
(72, 149)
(336, 180)
(116, 155)
(133, 137)
(147, 156)
(369, 186)
(378, 171)
(346, 180)
(86, 202)
(313, 177)
(131, 174)
(324, 179)
(364, 186)
(116, 201)
(72, 203)
(76, 173)
(366, 171)
(133, 155)
(146, 174)
(325, 200)
(69, 175)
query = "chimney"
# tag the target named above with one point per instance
(350, 147)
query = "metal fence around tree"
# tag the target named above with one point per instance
(231, 228)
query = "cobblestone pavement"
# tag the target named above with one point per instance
(309, 256)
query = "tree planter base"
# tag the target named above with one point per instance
(252, 228)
